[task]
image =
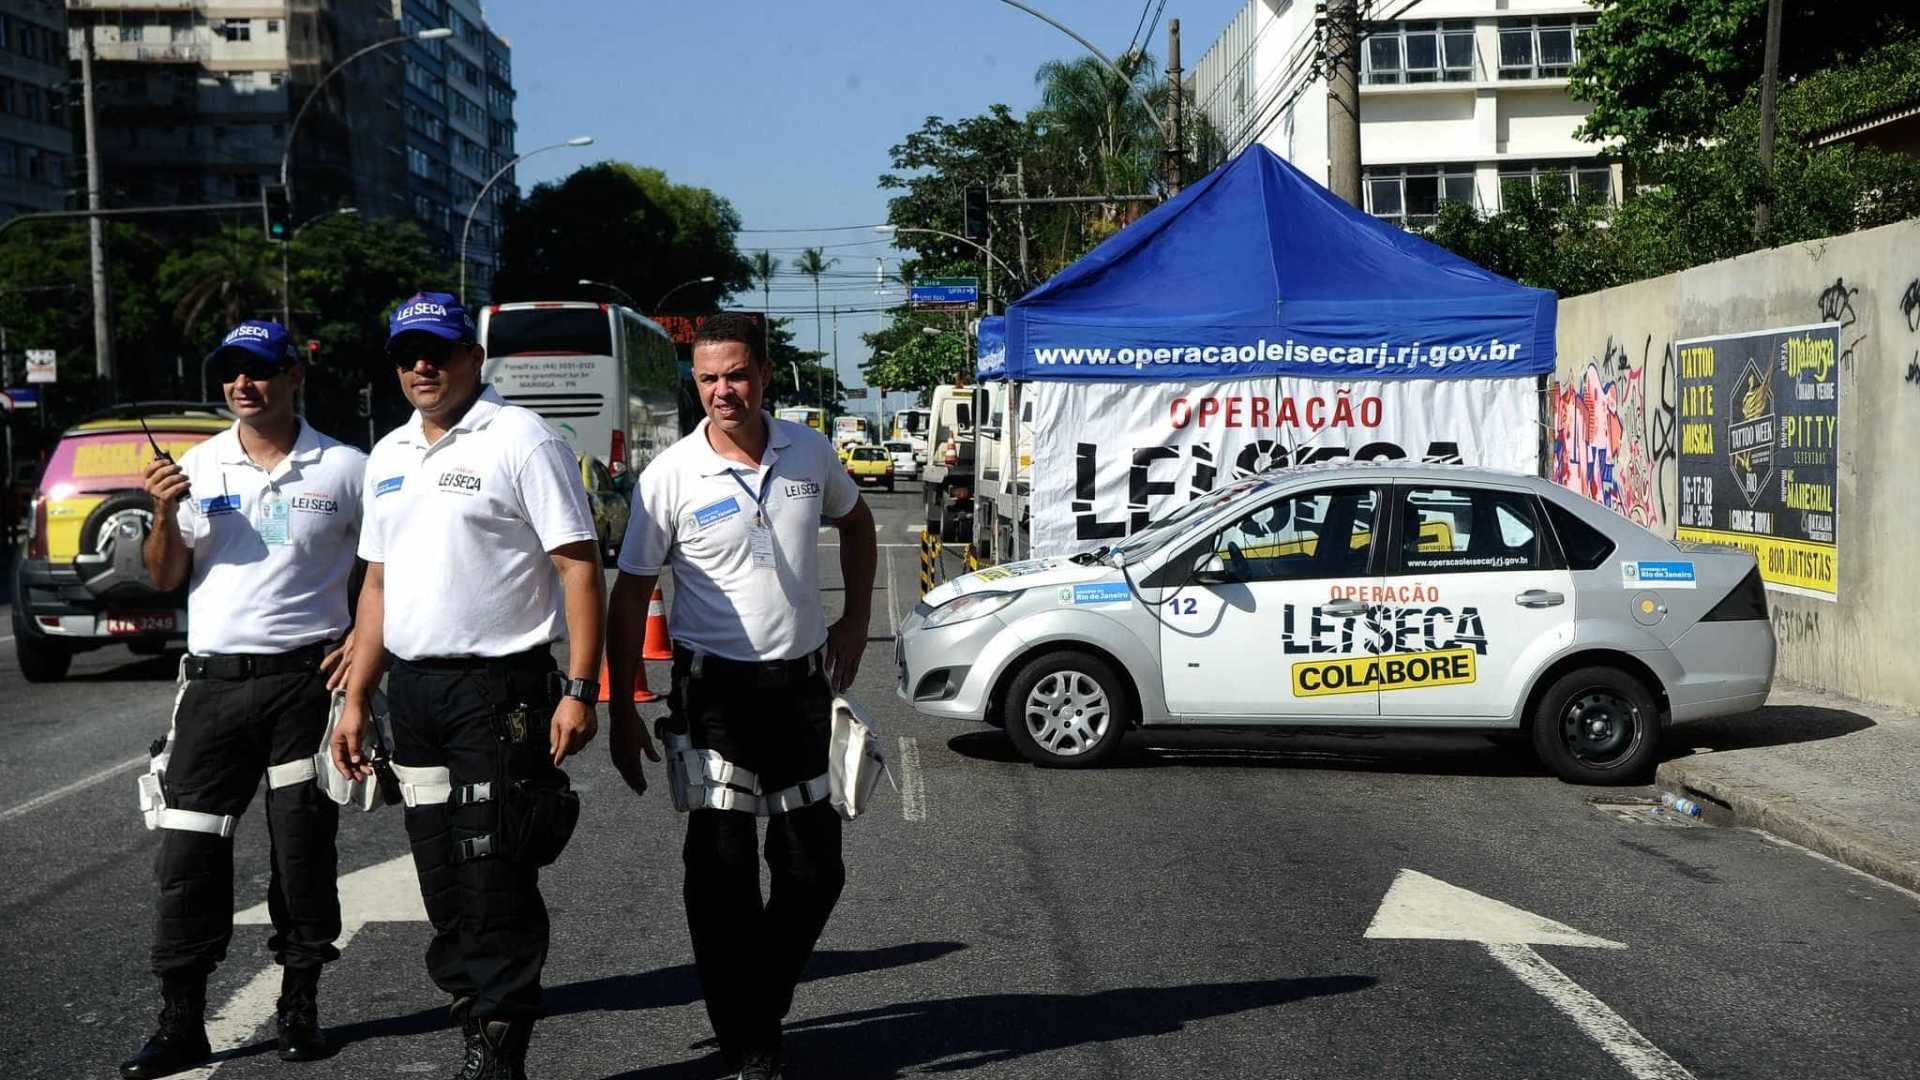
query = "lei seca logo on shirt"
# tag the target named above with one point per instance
(315, 503)
(460, 480)
(801, 489)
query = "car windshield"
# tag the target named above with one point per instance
(900, 447)
(869, 453)
(1159, 532)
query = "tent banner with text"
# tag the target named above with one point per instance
(1759, 451)
(1110, 457)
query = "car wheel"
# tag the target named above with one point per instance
(1597, 725)
(42, 661)
(889, 485)
(1067, 709)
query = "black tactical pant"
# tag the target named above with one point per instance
(750, 954)
(485, 721)
(227, 731)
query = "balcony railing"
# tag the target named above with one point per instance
(178, 52)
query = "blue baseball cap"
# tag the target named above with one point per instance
(267, 340)
(436, 313)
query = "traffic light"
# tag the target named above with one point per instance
(275, 212)
(974, 225)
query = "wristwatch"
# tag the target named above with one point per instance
(586, 690)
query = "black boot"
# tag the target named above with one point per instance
(179, 1041)
(296, 1019)
(502, 1049)
(474, 1065)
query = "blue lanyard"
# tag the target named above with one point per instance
(760, 500)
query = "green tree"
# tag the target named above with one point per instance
(763, 266)
(800, 376)
(1661, 73)
(813, 263)
(220, 279)
(626, 225)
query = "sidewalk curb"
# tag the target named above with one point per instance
(1772, 810)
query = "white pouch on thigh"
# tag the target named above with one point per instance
(854, 759)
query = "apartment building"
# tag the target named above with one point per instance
(458, 108)
(194, 100)
(1460, 100)
(35, 144)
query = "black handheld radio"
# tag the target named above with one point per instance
(159, 453)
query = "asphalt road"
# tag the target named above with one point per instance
(1202, 909)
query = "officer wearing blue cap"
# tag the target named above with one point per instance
(481, 554)
(261, 521)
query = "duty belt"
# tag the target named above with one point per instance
(251, 665)
(761, 674)
(535, 659)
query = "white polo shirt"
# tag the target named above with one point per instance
(272, 551)
(694, 510)
(464, 527)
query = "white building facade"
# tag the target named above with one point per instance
(1459, 99)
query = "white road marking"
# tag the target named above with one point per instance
(1418, 906)
(1855, 871)
(384, 892)
(1422, 907)
(913, 783)
(893, 618)
(4, 640)
(81, 784)
(1618, 1038)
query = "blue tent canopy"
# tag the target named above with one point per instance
(1258, 271)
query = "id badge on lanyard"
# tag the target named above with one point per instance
(271, 520)
(759, 530)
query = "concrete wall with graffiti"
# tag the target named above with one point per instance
(1612, 429)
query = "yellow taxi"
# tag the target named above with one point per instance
(80, 582)
(869, 464)
(607, 496)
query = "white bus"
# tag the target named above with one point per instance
(604, 376)
(852, 429)
(910, 425)
(809, 415)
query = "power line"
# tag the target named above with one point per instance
(811, 228)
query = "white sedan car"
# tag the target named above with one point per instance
(905, 465)
(1356, 596)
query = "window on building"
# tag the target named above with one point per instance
(1543, 48)
(276, 79)
(6, 36)
(6, 96)
(419, 164)
(1587, 178)
(8, 162)
(1411, 195)
(273, 26)
(237, 30)
(31, 105)
(1418, 52)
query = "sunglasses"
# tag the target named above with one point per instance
(437, 353)
(229, 369)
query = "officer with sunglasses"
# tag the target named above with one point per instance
(261, 521)
(481, 554)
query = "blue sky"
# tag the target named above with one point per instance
(788, 109)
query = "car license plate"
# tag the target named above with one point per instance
(139, 622)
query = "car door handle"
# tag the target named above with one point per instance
(1340, 609)
(1540, 598)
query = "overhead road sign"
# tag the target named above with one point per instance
(945, 294)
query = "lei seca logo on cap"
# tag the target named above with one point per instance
(414, 311)
(247, 332)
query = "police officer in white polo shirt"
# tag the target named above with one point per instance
(481, 553)
(735, 508)
(262, 521)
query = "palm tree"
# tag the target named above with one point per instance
(1095, 117)
(761, 268)
(219, 281)
(812, 263)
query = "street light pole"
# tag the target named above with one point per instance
(577, 140)
(660, 304)
(293, 129)
(981, 248)
(626, 296)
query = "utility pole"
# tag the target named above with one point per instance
(1020, 186)
(1769, 96)
(1343, 99)
(96, 228)
(1177, 142)
(836, 358)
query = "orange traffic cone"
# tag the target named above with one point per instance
(659, 644)
(641, 695)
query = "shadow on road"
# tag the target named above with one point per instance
(657, 989)
(1382, 752)
(960, 1033)
(1774, 725)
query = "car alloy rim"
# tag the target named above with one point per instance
(141, 520)
(1067, 713)
(1600, 727)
